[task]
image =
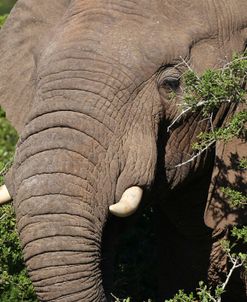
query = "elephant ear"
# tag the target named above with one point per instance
(226, 174)
(25, 34)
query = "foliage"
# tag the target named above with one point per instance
(134, 273)
(126, 300)
(203, 294)
(181, 296)
(206, 294)
(2, 19)
(240, 233)
(14, 282)
(235, 198)
(243, 163)
(207, 93)
(121, 300)
(6, 5)
(8, 139)
(215, 87)
(235, 128)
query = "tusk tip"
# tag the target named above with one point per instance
(128, 203)
(119, 212)
(4, 195)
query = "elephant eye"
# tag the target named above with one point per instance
(171, 83)
(169, 79)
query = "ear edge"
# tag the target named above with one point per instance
(22, 39)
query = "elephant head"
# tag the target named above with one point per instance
(86, 84)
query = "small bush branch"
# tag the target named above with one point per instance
(196, 155)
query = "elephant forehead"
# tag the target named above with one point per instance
(140, 42)
(146, 34)
(146, 47)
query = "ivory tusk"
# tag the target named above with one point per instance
(4, 195)
(128, 203)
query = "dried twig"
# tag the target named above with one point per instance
(5, 168)
(235, 264)
(178, 118)
(196, 155)
(188, 66)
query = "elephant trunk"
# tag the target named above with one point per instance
(83, 146)
(58, 215)
(62, 252)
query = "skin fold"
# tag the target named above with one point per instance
(87, 84)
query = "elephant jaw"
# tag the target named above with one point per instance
(4, 195)
(128, 203)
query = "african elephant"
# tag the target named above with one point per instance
(86, 85)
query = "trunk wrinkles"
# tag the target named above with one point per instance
(67, 169)
(58, 218)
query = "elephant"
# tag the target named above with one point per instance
(86, 84)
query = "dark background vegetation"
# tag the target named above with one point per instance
(15, 286)
(6, 5)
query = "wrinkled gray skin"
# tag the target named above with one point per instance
(86, 85)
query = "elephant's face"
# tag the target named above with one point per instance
(86, 84)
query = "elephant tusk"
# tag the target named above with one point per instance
(4, 195)
(128, 203)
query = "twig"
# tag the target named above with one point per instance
(229, 63)
(5, 168)
(188, 66)
(178, 118)
(199, 104)
(211, 122)
(4, 215)
(211, 297)
(203, 120)
(196, 155)
(235, 265)
(116, 299)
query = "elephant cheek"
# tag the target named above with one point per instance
(140, 153)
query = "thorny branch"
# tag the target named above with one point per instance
(196, 155)
(200, 104)
(235, 264)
